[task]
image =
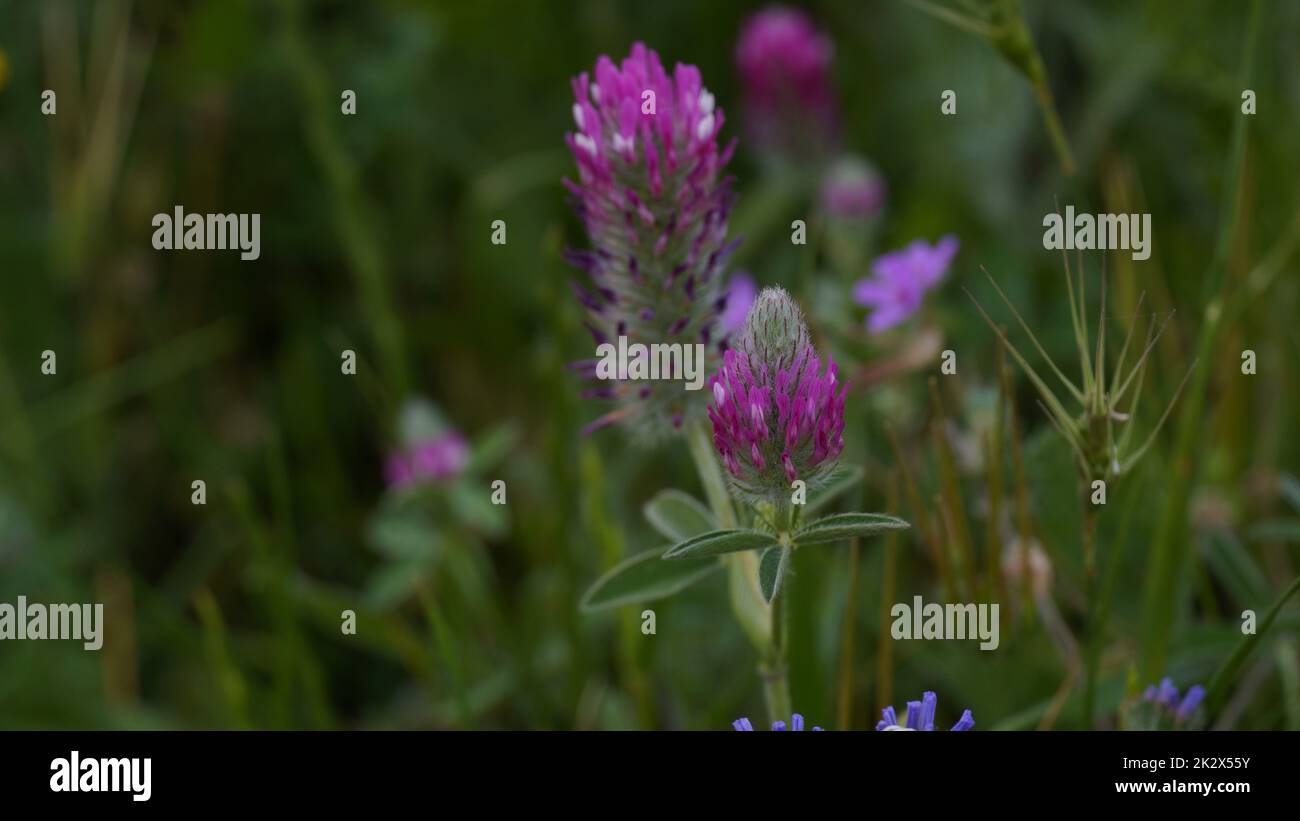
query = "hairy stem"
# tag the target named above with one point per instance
(762, 623)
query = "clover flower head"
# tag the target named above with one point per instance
(900, 280)
(920, 716)
(796, 724)
(784, 64)
(777, 416)
(435, 459)
(654, 202)
(851, 189)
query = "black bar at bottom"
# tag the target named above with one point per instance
(337, 770)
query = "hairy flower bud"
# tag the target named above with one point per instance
(776, 418)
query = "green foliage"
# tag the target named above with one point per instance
(718, 542)
(844, 526)
(177, 366)
(645, 577)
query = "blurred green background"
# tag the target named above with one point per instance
(174, 367)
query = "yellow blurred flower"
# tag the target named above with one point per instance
(4, 69)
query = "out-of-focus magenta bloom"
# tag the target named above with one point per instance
(432, 460)
(784, 64)
(851, 189)
(776, 416)
(740, 296)
(796, 724)
(653, 199)
(900, 280)
(920, 716)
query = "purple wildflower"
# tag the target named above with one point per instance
(900, 280)
(776, 417)
(431, 460)
(784, 64)
(653, 199)
(740, 296)
(1195, 695)
(920, 716)
(851, 189)
(1166, 699)
(796, 724)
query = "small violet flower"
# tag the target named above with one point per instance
(796, 724)
(1165, 697)
(777, 416)
(653, 198)
(920, 716)
(900, 280)
(431, 460)
(784, 64)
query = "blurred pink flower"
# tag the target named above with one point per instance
(900, 280)
(440, 458)
(784, 64)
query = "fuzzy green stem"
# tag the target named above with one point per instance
(773, 670)
(706, 465)
(762, 623)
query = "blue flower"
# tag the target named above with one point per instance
(796, 724)
(920, 716)
(1166, 698)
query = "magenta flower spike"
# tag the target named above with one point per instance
(784, 64)
(653, 199)
(777, 416)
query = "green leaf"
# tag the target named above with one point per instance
(492, 447)
(718, 542)
(404, 533)
(678, 515)
(392, 583)
(645, 577)
(1291, 490)
(771, 571)
(1275, 530)
(1234, 566)
(843, 526)
(1217, 690)
(471, 504)
(840, 480)
(419, 420)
